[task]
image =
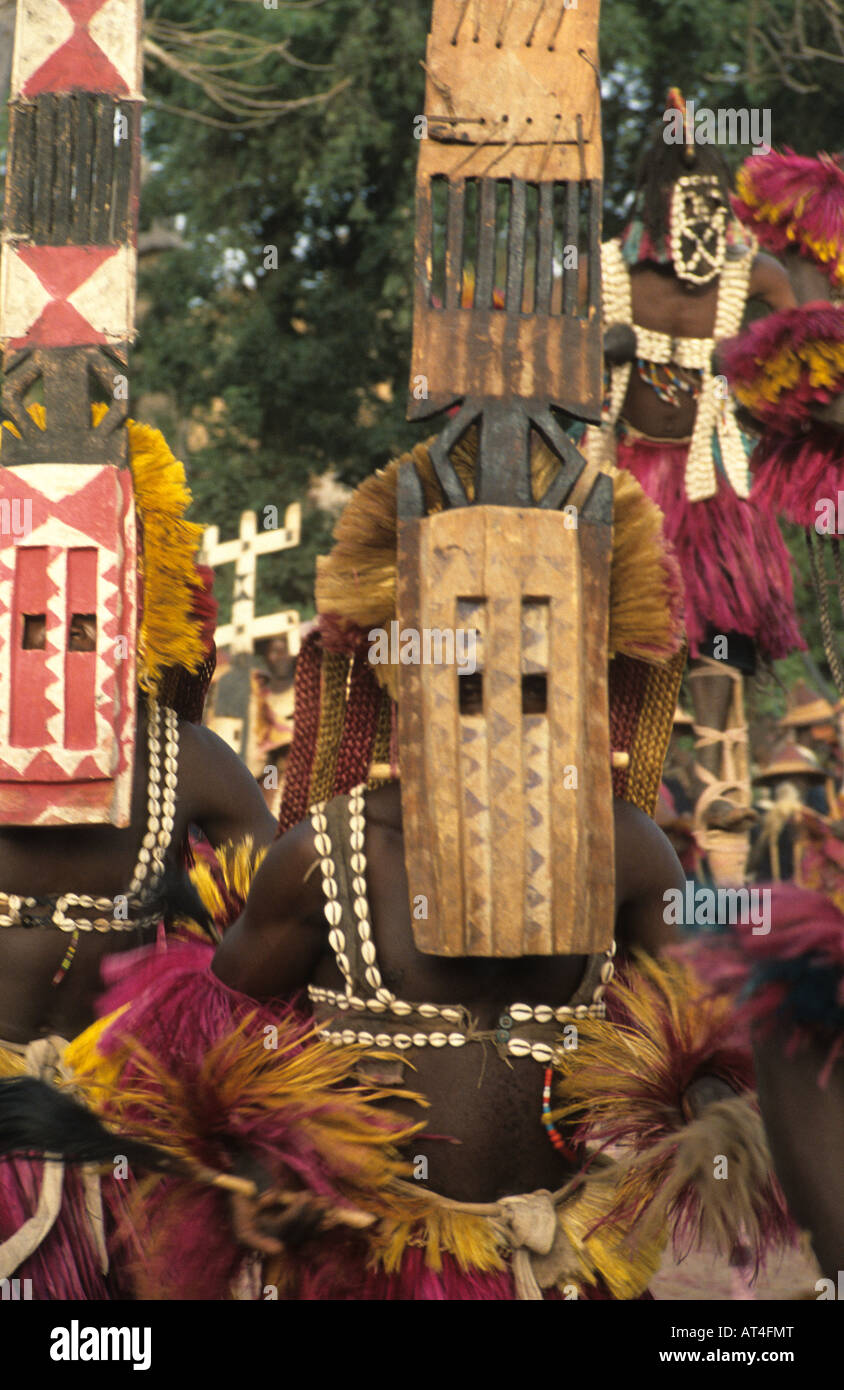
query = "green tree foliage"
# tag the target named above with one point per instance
(285, 322)
(710, 52)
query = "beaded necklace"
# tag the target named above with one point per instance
(714, 414)
(525, 1030)
(563, 1146)
(668, 383)
(149, 869)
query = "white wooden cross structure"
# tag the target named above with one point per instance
(245, 629)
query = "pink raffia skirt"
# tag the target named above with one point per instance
(65, 1266)
(735, 566)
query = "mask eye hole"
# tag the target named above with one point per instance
(535, 694)
(34, 632)
(471, 693)
(83, 633)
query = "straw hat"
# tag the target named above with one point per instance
(805, 707)
(791, 759)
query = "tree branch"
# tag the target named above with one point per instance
(789, 55)
(204, 57)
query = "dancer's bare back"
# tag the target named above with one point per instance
(487, 1110)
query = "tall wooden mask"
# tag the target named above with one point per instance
(506, 768)
(68, 545)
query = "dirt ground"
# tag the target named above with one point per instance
(706, 1276)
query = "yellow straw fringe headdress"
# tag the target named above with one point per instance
(356, 582)
(342, 732)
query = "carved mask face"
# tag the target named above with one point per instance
(68, 601)
(505, 768)
(698, 228)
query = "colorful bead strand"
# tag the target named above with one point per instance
(560, 1144)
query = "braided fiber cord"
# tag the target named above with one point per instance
(653, 731)
(341, 722)
(627, 689)
(839, 571)
(360, 721)
(336, 674)
(307, 689)
(642, 703)
(819, 582)
(335, 740)
(383, 750)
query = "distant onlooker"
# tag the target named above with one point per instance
(787, 784)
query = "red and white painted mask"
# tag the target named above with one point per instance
(68, 619)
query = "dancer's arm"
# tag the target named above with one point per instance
(646, 869)
(272, 949)
(770, 283)
(224, 799)
(805, 1126)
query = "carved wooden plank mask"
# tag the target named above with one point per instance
(68, 595)
(506, 781)
(68, 545)
(505, 764)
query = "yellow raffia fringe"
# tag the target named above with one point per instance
(168, 634)
(84, 1058)
(616, 1067)
(11, 1063)
(626, 1262)
(642, 616)
(237, 863)
(364, 1158)
(619, 1085)
(357, 580)
(471, 1241)
(315, 1084)
(824, 362)
(476, 1243)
